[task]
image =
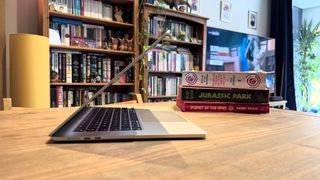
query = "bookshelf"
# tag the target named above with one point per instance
(129, 27)
(194, 41)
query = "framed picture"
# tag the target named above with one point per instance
(252, 19)
(195, 6)
(226, 11)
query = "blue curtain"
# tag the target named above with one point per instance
(281, 30)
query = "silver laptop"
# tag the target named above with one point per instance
(127, 123)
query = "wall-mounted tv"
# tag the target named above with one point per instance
(234, 51)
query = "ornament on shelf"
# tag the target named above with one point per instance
(176, 3)
(118, 14)
(115, 42)
(121, 46)
(130, 44)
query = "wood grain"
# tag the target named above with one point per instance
(279, 145)
(2, 52)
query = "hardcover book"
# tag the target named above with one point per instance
(199, 106)
(225, 79)
(223, 95)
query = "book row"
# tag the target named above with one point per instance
(90, 8)
(76, 67)
(68, 97)
(163, 86)
(179, 30)
(76, 33)
(172, 60)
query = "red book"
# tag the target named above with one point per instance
(82, 8)
(201, 106)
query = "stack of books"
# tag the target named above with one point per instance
(244, 92)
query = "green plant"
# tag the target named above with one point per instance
(307, 65)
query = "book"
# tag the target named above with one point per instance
(223, 95)
(75, 68)
(225, 79)
(199, 106)
(59, 96)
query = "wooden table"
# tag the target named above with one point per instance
(279, 145)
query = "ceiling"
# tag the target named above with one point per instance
(304, 4)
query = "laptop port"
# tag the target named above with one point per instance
(97, 138)
(86, 138)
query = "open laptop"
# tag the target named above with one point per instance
(112, 123)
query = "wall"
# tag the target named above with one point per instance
(21, 16)
(2, 51)
(311, 13)
(211, 9)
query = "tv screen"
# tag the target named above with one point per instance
(234, 51)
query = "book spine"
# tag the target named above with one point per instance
(69, 68)
(99, 70)
(75, 68)
(64, 67)
(60, 67)
(84, 68)
(249, 80)
(70, 98)
(59, 96)
(108, 70)
(82, 8)
(224, 95)
(88, 69)
(104, 70)
(93, 68)
(255, 108)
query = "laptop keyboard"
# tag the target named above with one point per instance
(110, 119)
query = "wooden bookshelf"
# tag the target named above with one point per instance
(89, 84)
(44, 22)
(93, 50)
(197, 48)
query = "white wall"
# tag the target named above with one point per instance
(311, 13)
(21, 16)
(240, 8)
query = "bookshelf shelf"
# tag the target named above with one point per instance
(94, 50)
(89, 84)
(91, 20)
(165, 72)
(177, 42)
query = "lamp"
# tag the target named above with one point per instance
(29, 71)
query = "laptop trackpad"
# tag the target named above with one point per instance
(155, 116)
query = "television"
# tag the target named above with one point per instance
(234, 51)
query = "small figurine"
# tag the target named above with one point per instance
(176, 3)
(129, 44)
(121, 46)
(126, 37)
(115, 42)
(118, 14)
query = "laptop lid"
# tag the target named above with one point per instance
(114, 79)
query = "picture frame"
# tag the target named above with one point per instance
(226, 11)
(195, 6)
(252, 19)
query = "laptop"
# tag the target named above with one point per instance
(89, 123)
